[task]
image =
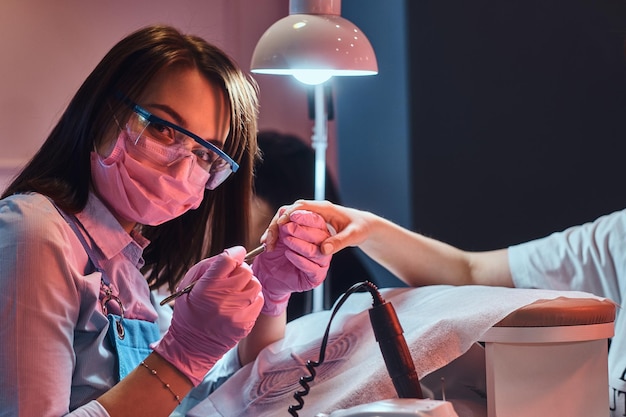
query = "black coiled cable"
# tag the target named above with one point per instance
(311, 365)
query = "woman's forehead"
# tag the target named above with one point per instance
(198, 103)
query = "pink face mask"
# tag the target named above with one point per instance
(137, 183)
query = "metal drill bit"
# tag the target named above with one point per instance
(247, 259)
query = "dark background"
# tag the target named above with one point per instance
(518, 113)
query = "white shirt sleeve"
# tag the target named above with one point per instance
(590, 257)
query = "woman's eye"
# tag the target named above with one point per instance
(204, 155)
(162, 131)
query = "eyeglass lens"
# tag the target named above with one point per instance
(179, 146)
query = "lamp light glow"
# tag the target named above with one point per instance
(314, 39)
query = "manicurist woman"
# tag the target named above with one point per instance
(143, 183)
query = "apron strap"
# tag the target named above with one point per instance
(106, 293)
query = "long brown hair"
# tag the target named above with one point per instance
(61, 168)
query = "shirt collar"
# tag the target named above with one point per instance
(107, 233)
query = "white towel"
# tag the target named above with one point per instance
(440, 324)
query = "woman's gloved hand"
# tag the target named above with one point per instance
(220, 310)
(296, 263)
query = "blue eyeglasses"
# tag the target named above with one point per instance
(215, 161)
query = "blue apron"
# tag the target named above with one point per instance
(129, 338)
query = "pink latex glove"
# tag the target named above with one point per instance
(220, 310)
(296, 264)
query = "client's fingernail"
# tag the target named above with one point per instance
(327, 248)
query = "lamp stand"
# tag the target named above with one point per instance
(320, 143)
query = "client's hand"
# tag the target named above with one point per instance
(353, 227)
(295, 263)
(220, 310)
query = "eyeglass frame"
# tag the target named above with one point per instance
(151, 118)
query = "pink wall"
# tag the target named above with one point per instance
(48, 48)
